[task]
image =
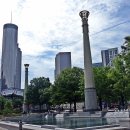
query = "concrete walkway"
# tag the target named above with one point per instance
(15, 126)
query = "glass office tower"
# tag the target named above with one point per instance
(62, 61)
(11, 58)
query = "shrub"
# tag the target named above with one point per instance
(7, 112)
(8, 108)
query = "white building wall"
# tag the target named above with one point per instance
(108, 56)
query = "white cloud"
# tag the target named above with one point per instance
(55, 25)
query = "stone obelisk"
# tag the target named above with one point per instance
(90, 91)
(25, 88)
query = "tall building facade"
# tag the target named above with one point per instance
(62, 61)
(108, 55)
(11, 58)
(99, 64)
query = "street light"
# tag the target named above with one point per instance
(25, 88)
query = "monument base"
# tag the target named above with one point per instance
(90, 100)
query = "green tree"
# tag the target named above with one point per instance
(102, 84)
(67, 86)
(45, 96)
(81, 84)
(8, 108)
(2, 102)
(120, 74)
(126, 57)
(17, 103)
(35, 89)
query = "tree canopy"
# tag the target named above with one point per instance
(36, 89)
(67, 86)
(112, 84)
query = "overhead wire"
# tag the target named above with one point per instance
(110, 27)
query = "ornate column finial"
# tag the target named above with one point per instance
(26, 65)
(84, 14)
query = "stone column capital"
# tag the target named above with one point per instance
(26, 65)
(84, 14)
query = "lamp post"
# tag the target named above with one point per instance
(90, 91)
(25, 88)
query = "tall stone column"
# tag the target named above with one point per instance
(25, 88)
(90, 91)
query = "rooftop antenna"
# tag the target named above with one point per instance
(11, 17)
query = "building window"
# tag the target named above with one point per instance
(110, 53)
(115, 52)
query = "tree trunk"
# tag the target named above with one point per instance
(100, 103)
(70, 106)
(75, 106)
(122, 101)
(40, 108)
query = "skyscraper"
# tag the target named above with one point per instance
(62, 61)
(11, 58)
(108, 55)
(99, 64)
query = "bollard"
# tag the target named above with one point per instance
(20, 125)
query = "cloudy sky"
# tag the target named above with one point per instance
(47, 27)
